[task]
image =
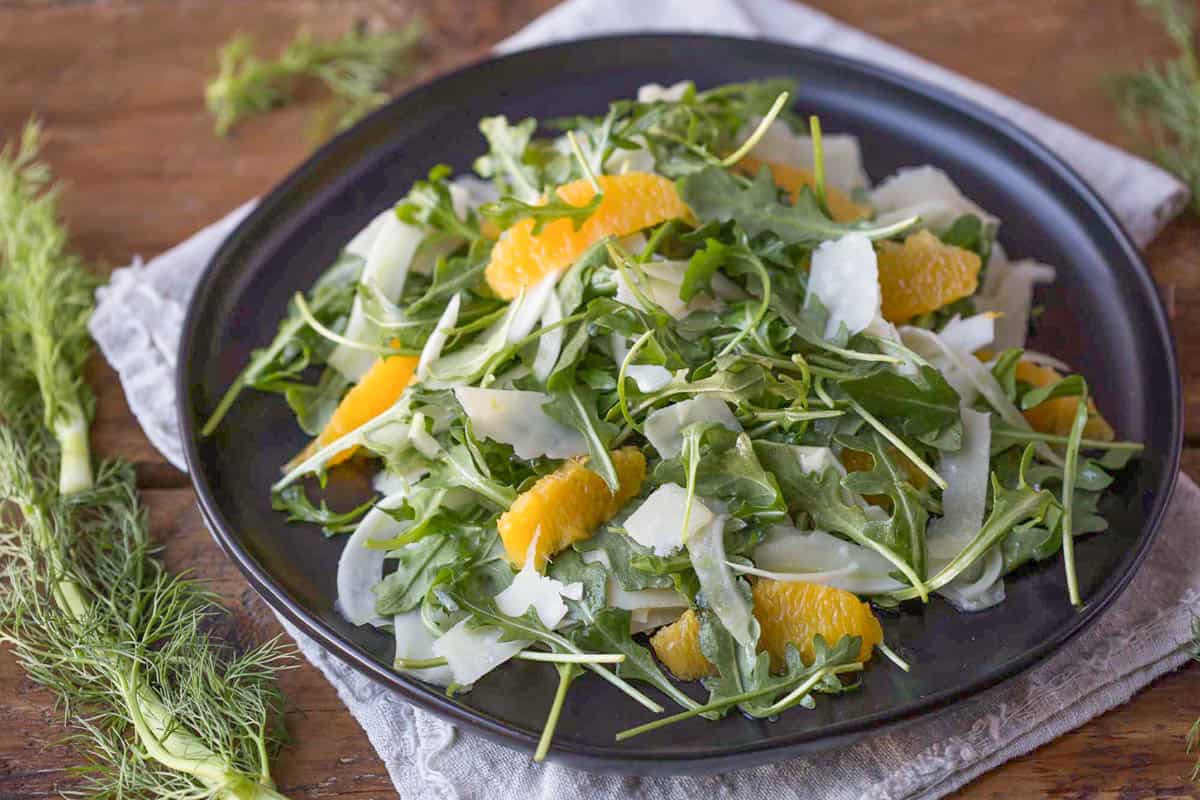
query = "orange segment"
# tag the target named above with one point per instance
(678, 647)
(924, 274)
(791, 612)
(793, 179)
(632, 202)
(1057, 414)
(378, 390)
(787, 613)
(567, 505)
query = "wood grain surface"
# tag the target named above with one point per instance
(119, 86)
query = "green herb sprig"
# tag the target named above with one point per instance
(160, 708)
(1161, 104)
(354, 67)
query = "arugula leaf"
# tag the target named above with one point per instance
(906, 532)
(576, 408)
(820, 494)
(608, 632)
(1070, 386)
(509, 210)
(925, 406)
(294, 500)
(728, 470)
(417, 567)
(314, 404)
(970, 233)
(714, 194)
(739, 669)
(1012, 509)
(622, 551)
(505, 163)
(701, 267)
(430, 203)
(456, 467)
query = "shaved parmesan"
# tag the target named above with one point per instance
(543, 593)
(658, 521)
(471, 653)
(660, 281)
(926, 192)
(815, 556)
(845, 278)
(414, 640)
(721, 591)
(360, 567)
(516, 417)
(652, 618)
(648, 377)
(841, 153)
(432, 350)
(664, 428)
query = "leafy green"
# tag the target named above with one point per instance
(508, 210)
(576, 408)
(295, 501)
(726, 469)
(45, 301)
(417, 567)
(608, 632)
(1161, 104)
(1071, 386)
(354, 67)
(924, 406)
(714, 194)
(906, 531)
(505, 162)
(160, 706)
(821, 496)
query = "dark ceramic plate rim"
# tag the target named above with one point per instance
(610, 758)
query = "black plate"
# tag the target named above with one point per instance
(1103, 316)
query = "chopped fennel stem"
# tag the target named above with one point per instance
(75, 468)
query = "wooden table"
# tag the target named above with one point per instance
(119, 86)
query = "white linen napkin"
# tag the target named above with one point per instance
(137, 326)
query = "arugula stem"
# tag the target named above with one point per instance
(655, 240)
(333, 336)
(800, 692)
(622, 394)
(1068, 500)
(566, 674)
(893, 656)
(1050, 438)
(898, 443)
(727, 702)
(814, 127)
(759, 132)
(583, 164)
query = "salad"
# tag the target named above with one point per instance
(676, 394)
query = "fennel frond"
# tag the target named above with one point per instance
(354, 67)
(47, 298)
